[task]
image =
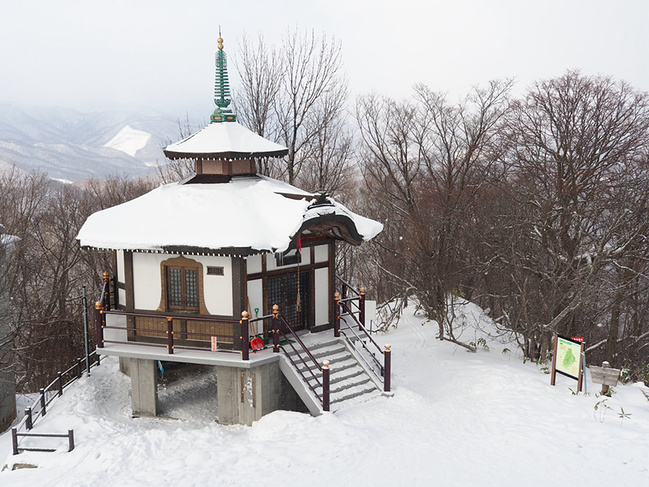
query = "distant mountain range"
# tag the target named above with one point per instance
(72, 146)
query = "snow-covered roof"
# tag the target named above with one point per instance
(224, 140)
(248, 214)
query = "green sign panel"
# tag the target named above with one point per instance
(568, 357)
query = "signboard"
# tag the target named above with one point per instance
(567, 359)
(578, 339)
(604, 375)
(214, 344)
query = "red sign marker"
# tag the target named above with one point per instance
(578, 339)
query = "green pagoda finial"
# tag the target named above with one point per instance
(222, 87)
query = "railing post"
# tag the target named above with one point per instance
(170, 335)
(43, 404)
(336, 315)
(99, 325)
(107, 290)
(361, 308)
(276, 328)
(70, 440)
(325, 386)
(245, 338)
(387, 368)
(29, 424)
(60, 379)
(14, 440)
(98, 359)
(79, 368)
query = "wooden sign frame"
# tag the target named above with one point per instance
(572, 347)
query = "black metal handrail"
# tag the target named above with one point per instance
(360, 339)
(39, 407)
(348, 286)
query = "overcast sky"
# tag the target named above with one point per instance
(92, 55)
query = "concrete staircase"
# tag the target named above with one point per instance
(349, 382)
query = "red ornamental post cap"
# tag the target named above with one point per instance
(98, 305)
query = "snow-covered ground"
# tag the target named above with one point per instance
(455, 419)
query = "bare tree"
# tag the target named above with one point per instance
(294, 95)
(428, 163)
(572, 141)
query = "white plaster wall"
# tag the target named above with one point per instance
(306, 259)
(120, 268)
(217, 289)
(321, 253)
(256, 296)
(147, 287)
(253, 263)
(321, 296)
(121, 295)
(111, 334)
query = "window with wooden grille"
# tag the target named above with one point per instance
(182, 288)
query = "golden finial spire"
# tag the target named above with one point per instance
(220, 39)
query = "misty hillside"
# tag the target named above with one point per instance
(72, 145)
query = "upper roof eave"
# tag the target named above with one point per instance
(222, 155)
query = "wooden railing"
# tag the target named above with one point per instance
(351, 307)
(172, 343)
(302, 354)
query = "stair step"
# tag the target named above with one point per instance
(349, 382)
(320, 352)
(335, 360)
(342, 374)
(352, 392)
(355, 400)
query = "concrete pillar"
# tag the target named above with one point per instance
(144, 387)
(246, 394)
(125, 365)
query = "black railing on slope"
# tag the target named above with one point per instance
(38, 409)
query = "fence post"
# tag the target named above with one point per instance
(14, 440)
(60, 379)
(361, 308)
(86, 334)
(70, 440)
(99, 325)
(245, 338)
(276, 328)
(336, 315)
(29, 424)
(79, 368)
(43, 405)
(325, 385)
(387, 368)
(98, 359)
(107, 290)
(170, 335)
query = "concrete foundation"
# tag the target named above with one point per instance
(247, 394)
(125, 365)
(144, 387)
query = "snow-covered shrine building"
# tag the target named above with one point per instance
(201, 263)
